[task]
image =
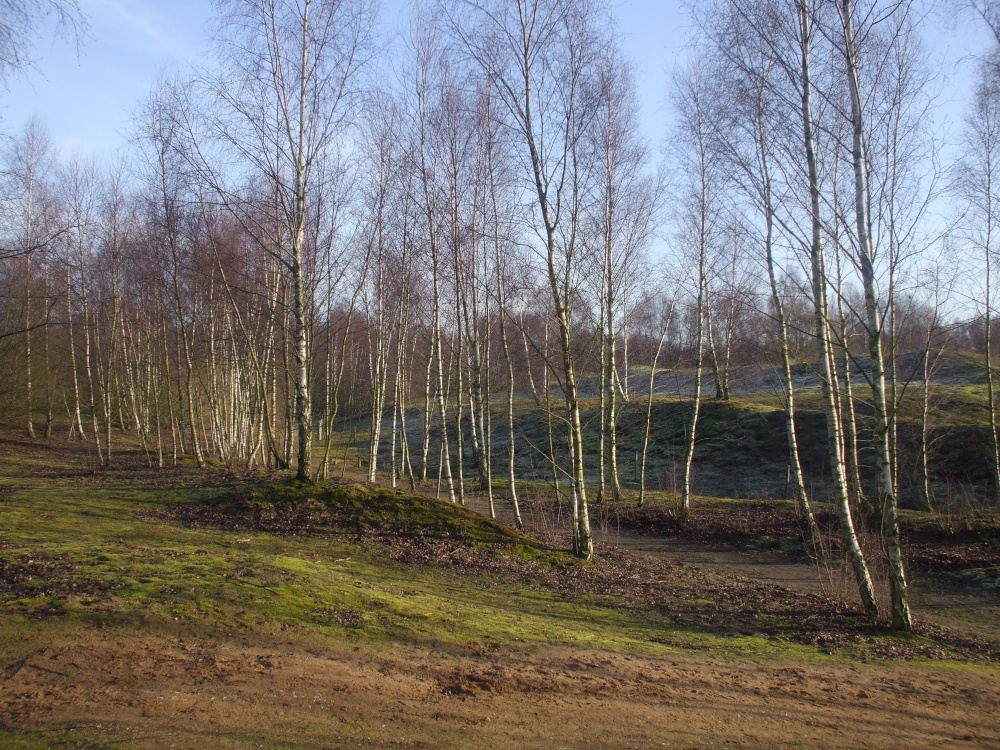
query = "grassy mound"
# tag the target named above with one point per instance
(423, 533)
(411, 528)
(286, 506)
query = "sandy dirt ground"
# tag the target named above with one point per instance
(184, 690)
(143, 686)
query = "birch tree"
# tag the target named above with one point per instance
(540, 55)
(427, 124)
(751, 136)
(281, 103)
(874, 319)
(698, 223)
(27, 164)
(978, 185)
(625, 198)
(806, 33)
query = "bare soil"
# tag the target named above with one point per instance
(151, 683)
(191, 690)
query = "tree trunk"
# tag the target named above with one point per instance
(649, 403)
(851, 547)
(899, 589)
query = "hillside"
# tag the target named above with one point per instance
(742, 444)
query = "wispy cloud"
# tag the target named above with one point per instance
(148, 27)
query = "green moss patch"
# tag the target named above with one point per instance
(184, 549)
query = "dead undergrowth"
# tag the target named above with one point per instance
(415, 530)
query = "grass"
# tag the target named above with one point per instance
(97, 555)
(107, 550)
(266, 561)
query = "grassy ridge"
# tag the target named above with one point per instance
(742, 444)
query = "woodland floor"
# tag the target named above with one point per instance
(138, 612)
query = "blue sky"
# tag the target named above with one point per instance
(86, 100)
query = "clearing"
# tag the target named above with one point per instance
(146, 608)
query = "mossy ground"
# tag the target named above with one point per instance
(95, 550)
(315, 567)
(272, 555)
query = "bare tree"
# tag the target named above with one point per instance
(281, 102)
(699, 221)
(21, 24)
(750, 137)
(874, 313)
(624, 205)
(978, 183)
(540, 55)
(666, 318)
(807, 29)
(160, 130)
(26, 166)
(428, 124)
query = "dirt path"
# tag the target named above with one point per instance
(190, 690)
(801, 576)
(154, 683)
(975, 613)
(972, 612)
